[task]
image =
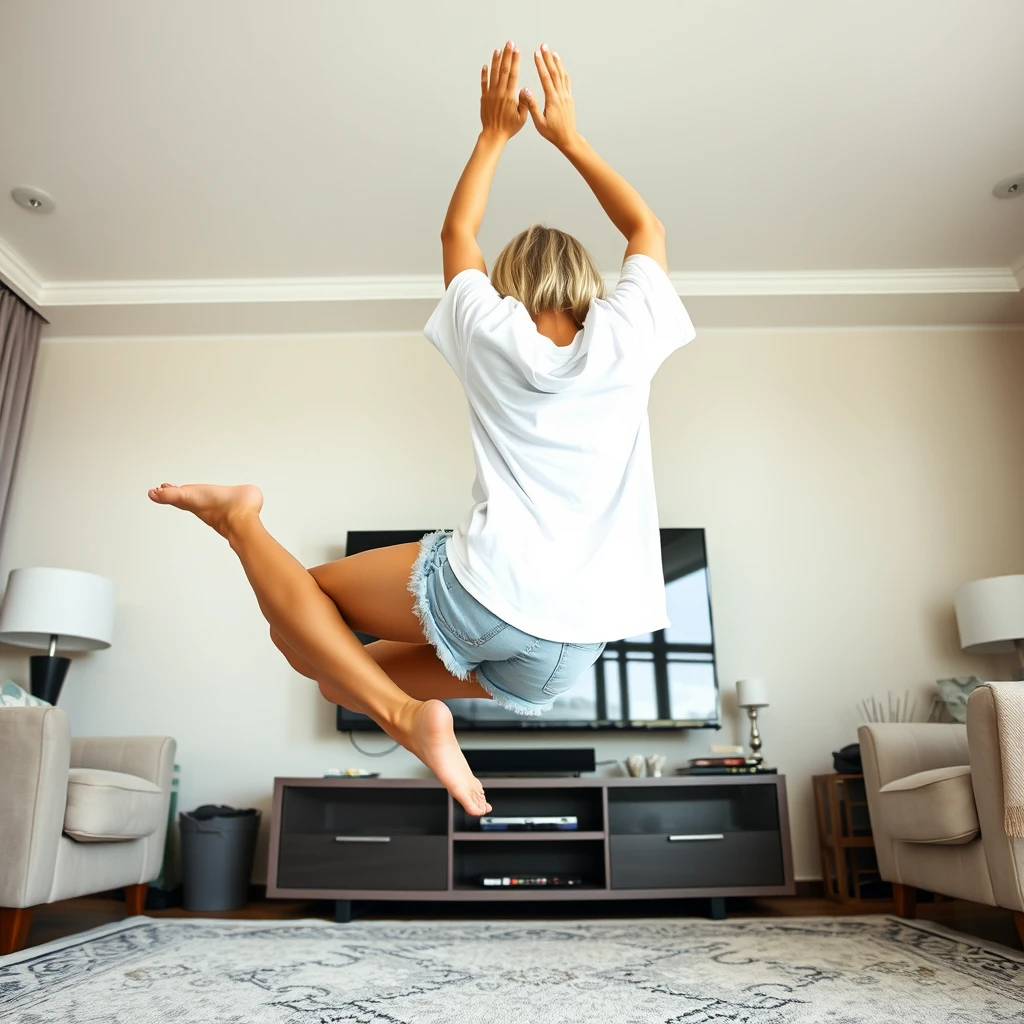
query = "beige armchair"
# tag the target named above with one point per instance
(935, 795)
(77, 816)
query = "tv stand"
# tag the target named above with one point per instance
(404, 839)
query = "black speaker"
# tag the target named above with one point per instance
(531, 761)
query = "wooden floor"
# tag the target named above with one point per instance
(57, 920)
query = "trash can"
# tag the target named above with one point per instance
(218, 844)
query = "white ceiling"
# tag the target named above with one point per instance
(192, 146)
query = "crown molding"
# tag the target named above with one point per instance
(395, 303)
(1017, 269)
(20, 275)
(238, 290)
(955, 281)
(398, 288)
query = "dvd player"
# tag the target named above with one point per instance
(507, 881)
(497, 823)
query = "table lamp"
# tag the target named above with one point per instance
(51, 608)
(990, 616)
(752, 694)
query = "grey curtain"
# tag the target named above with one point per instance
(19, 347)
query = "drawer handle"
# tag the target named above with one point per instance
(696, 838)
(362, 839)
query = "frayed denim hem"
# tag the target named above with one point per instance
(510, 702)
(421, 570)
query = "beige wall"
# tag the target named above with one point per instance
(848, 482)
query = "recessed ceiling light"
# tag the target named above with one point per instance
(1010, 187)
(33, 199)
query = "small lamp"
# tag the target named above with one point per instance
(752, 694)
(51, 608)
(990, 616)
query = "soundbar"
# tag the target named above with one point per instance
(531, 761)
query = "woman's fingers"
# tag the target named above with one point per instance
(506, 67)
(545, 75)
(513, 75)
(495, 69)
(563, 74)
(551, 64)
(526, 97)
(483, 80)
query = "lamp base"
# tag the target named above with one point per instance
(755, 735)
(47, 676)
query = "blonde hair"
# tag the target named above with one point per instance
(545, 268)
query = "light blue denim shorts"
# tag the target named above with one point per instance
(522, 672)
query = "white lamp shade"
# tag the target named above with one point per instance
(751, 693)
(990, 614)
(76, 607)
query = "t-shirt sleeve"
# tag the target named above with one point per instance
(648, 306)
(469, 298)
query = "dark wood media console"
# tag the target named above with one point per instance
(405, 839)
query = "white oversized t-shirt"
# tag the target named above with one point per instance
(562, 540)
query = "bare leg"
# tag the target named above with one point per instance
(327, 689)
(416, 669)
(310, 623)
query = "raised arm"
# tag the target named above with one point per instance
(626, 209)
(502, 114)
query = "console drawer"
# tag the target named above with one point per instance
(685, 862)
(407, 863)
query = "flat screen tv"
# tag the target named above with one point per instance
(662, 680)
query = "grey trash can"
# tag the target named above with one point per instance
(218, 844)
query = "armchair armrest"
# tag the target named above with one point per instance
(34, 759)
(1004, 855)
(894, 750)
(149, 757)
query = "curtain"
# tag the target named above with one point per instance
(19, 346)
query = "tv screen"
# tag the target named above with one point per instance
(661, 680)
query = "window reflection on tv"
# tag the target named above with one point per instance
(661, 680)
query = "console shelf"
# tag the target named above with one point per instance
(404, 839)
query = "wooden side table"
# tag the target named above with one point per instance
(848, 863)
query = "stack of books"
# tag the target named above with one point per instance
(730, 764)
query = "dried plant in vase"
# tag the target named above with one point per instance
(900, 709)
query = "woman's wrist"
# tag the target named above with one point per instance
(493, 137)
(572, 145)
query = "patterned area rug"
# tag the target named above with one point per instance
(759, 971)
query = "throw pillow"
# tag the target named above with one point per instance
(13, 696)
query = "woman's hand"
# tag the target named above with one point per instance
(557, 123)
(502, 109)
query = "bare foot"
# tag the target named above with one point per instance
(213, 504)
(431, 737)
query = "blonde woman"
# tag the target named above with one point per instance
(560, 552)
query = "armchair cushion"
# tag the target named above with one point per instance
(935, 806)
(105, 806)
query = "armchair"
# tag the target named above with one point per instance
(935, 796)
(77, 816)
